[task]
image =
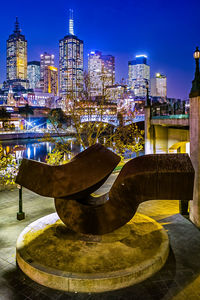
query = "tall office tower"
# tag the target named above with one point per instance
(159, 86)
(46, 59)
(139, 75)
(101, 72)
(71, 63)
(95, 74)
(33, 73)
(17, 58)
(108, 71)
(51, 80)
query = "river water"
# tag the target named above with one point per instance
(36, 149)
(30, 148)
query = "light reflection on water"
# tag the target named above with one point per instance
(29, 148)
(37, 149)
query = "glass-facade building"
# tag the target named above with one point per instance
(51, 80)
(16, 62)
(95, 74)
(139, 75)
(71, 64)
(46, 60)
(33, 74)
(108, 71)
(101, 72)
(159, 86)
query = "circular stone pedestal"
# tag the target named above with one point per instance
(56, 257)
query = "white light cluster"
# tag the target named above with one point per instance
(141, 55)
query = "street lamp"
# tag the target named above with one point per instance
(195, 91)
(196, 57)
(197, 53)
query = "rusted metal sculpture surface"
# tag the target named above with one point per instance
(83, 175)
(149, 177)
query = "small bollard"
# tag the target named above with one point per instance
(20, 214)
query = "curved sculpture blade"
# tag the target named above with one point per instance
(84, 174)
(158, 176)
(149, 177)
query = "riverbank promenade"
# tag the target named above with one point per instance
(178, 280)
(33, 134)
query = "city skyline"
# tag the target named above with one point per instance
(169, 42)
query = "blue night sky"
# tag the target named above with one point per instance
(167, 31)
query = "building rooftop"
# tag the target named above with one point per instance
(34, 62)
(17, 32)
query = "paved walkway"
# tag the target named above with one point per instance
(179, 279)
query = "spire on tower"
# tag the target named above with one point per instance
(17, 30)
(71, 22)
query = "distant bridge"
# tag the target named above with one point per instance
(111, 119)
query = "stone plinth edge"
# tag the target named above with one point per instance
(129, 272)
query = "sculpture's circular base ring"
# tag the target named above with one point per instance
(58, 258)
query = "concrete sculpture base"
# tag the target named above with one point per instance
(56, 257)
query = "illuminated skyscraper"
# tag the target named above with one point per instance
(139, 75)
(46, 60)
(159, 86)
(51, 80)
(33, 73)
(17, 58)
(71, 63)
(95, 73)
(101, 72)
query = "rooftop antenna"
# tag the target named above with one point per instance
(71, 22)
(17, 30)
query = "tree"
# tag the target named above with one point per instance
(8, 168)
(57, 117)
(121, 139)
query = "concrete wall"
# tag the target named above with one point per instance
(195, 157)
(177, 138)
(163, 139)
(170, 122)
(160, 139)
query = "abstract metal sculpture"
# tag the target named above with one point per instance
(149, 177)
(83, 175)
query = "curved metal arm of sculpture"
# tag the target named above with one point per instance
(158, 176)
(83, 175)
(149, 177)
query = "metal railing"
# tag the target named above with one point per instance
(177, 110)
